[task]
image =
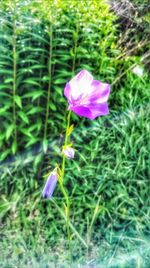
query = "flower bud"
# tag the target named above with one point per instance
(68, 152)
(50, 184)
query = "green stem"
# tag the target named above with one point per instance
(67, 208)
(49, 84)
(69, 114)
(14, 75)
(67, 205)
(66, 141)
(75, 49)
(64, 157)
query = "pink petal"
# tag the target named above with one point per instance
(87, 97)
(83, 77)
(81, 111)
(100, 92)
(67, 90)
(98, 109)
(78, 86)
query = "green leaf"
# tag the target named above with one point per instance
(4, 154)
(4, 87)
(26, 132)
(52, 107)
(2, 136)
(35, 110)
(31, 81)
(45, 78)
(34, 94)
(39, 38)
(4, 71)
(24, 117)
(37, 161)
(45, 145)
(70, 130)
(60, 81)
(32, 141)
(18, 101)
(5, 108)
(14, 147)
(9, 131)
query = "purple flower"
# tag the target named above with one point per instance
(87, 97)
(68, 152)
(50, 184)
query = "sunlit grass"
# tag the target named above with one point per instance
(108, 185)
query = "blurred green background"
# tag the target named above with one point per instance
(43, 44)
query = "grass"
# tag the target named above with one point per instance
(107, 182)
(108, 186)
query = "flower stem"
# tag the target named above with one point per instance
(67, 205)
(66, 141)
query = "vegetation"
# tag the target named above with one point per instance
(43, 44)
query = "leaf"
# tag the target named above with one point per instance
(31, 81)
(35, 94)
(37, 160)
(60, 81)
(4, 87)
(26, 132)
(8, 80)
(70, 130)
(5, 71)
(5, 206)
(2, 136)
(18, 101)
(24, 117)
(52, 107)
(39, 38)
(45, 145)
(45, 78)
(32, 141)
(2, 94)
(4, 154)
(5, 108)
(14, 147)
(31, 49)
(9, 131)
(35, 110)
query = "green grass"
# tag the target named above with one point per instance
(108, 186)
(108, 181)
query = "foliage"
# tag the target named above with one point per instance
(109, 194)
(40, 52)
(43, 43)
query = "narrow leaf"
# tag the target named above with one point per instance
(9, 131)
(18, 101)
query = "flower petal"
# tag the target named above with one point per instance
(67, 90)
(100, 92)
(78, 86)
(87, 97)
(81, 111)
(83, 77)
(98, 109)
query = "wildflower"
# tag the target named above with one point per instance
(68, 152)
(50, 184)
(87, 97)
